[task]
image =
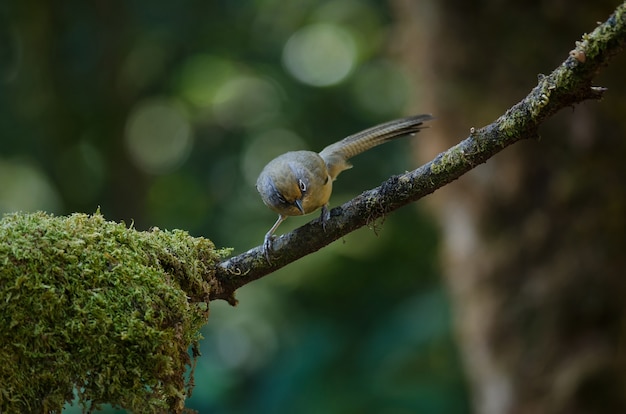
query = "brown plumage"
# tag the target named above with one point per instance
(300, 182)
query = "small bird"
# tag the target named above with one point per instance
(300, 182)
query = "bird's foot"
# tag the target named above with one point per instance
(267, 247)
(325, 216)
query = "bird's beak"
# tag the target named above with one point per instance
(298, 204)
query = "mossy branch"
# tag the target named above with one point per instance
(96, 308)
(569, 84)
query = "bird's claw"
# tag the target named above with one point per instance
(325, 216)
(267, 247)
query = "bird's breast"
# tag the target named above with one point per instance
(318, 194)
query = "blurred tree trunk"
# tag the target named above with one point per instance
(67, 88)
(532, 241)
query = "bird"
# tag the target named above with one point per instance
(300, 182)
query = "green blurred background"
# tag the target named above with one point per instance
(163, 113)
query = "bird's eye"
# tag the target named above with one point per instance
(302, 186)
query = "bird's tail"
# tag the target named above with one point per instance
(336, 155)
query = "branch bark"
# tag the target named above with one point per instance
(568, 84)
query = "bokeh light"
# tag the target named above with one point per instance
(158, 136)
(24, 187)
(245, 101)
(201, 75)
(321, 54)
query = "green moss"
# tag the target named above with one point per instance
(452, 157)
(92, 307)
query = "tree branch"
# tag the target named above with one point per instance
(568, 84)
